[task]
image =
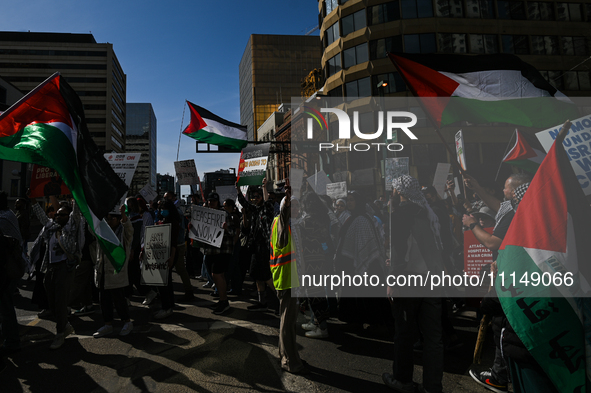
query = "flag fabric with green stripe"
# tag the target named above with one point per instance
(526, 153)
(548, 240)
(479, 89)
(208, 128)
(47, 127)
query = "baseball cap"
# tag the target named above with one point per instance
(213, 195)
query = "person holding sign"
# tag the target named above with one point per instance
(111, 285)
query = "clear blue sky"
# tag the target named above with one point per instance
(172, 52)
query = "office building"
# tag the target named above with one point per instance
(91, 68)
(271, 71)
(141, 138)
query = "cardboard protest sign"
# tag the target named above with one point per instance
(337, 190)
(318, 182)
(124, 165)
(45, 182)
(252, 168)
(296, 178)
(148, 193)
(207, 225)
(576, 144)
(395, 167)
(460, 149)
(186, 172)
(226, 192)
(156, 253)
(475, 254)
(440, 178)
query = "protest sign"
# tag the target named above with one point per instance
(578, 147)
(440, 178)
(395, 167)
(124, 165)
(460, 149)
(45, 182)
(207, 225)
(243, 190)
(252, 168)
(296, 178)
(148, 193)
(337, 190)
(475, 254)
(186, 172)
(226, 192)
(156, 253)
(318, 182)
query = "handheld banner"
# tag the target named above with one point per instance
(207, 225)
(148, 193)
(318, 182)
(337, 190)
(460, 149)
(45, 182)
(252, 168)
(124, 165)
(440, 178)
(156, 253)
(186, 172)
(476, 255)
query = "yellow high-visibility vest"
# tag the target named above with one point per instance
(282, 261)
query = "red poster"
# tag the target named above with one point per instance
(46, 181)
(475, 254)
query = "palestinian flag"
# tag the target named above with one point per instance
(47, 127)
(483, 89)
(524, 155)
(208, 128)
(548, 238)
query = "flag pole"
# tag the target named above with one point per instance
(181, 133)
(505, 154)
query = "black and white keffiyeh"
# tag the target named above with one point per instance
(519, 193)
(409, 187)
(505, 208)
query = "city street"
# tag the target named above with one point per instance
(197, 351)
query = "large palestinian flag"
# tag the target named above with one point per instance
(208, 128)
(526, 153)
(47, 127)
(483, 89)
(548, 240)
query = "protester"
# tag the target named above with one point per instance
(110, 282)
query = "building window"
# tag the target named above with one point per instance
(330, 5)
(515, 44)
(353, 22)
(484, 43)
(384, 13)
(334, 65)
(480, 9)
(336, 92)
(332, 33)
(116, 142)
(378, 48)
(450, 8)
(540, 10)
(452, 43)
(511, 10)
(355, 55)
(416, 9)
(394, 80)
(574, 46)
(544, 45)
(554, 78)
(359, 88)
(569, 12)
(420, 43)
(576, 80)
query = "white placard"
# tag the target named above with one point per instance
(460, 149)
(156, 253)
(186, 172)
(207, 225)
(148, 193)
(395, 167)
(440, 178)
(576, 145)
(318, 182)
(296, 178)
(243, 190)
(124, 165)
(226, 192)
(337, 190)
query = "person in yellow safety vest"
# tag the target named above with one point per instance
(283, 269)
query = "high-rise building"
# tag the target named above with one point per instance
(91, 68)
(271, 71)
(141, 138)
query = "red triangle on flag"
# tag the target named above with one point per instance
(521, 151)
